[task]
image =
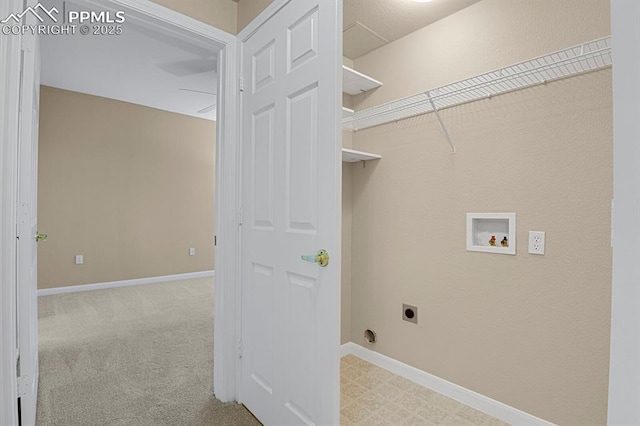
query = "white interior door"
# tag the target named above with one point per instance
(27, 231)
(291, 150)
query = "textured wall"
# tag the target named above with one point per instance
(529, 331)
(347, 220)
(480, 38)
(249, 9)
(347, 205)
(347, 224)
(129, 187)
(222, 14)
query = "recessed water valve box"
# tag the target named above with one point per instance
(491, 232)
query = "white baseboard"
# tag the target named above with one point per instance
(468, 397)
(124, 283)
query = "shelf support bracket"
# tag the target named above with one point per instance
(442, 126)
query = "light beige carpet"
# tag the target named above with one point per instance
(139, 355)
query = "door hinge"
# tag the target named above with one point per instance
(241, 82)
(23, 45)
(24, 386)
(215, 240)
(240, 348)
(240, 217)
(22, 215)
(27, 42)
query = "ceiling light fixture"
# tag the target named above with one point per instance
(422, 1)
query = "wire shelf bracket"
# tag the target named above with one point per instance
(442, 126)
(580, 59)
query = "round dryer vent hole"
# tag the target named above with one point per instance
(370, 336)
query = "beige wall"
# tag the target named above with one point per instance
(347, 205)
(347, 100)
(347, 219)
(529, 331)
(222, 14)
(480, 38)
(249, 9)
(129, 187)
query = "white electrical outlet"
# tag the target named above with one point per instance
(536, 242)
(79, 259)
(192, 251)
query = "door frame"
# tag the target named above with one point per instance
(624, 371)
(27, 213)
(227, 308)
(10, 65)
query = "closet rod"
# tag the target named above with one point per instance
(565, 63)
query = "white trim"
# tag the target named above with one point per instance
(27, 223)
(10, 63)
(624, 369)
(168, 20)
(468, 397)
(124, 283)
(348, 349)
(227, 253)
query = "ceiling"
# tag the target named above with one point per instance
(174, 73)
(141, 66)
(370, 24)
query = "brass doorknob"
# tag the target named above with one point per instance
(40, 237)
(321, 258)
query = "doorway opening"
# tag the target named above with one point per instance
(177, 31)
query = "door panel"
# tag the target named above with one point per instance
(302, 40)
(301, 348)
(302, 174)
(262, 299)
(291, 148)
(263, 67)
(262, 152)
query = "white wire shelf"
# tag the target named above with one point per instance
(353, 156)
(575, 60)
(354, 82)
(347, 112)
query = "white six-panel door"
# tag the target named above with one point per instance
(291, 149)
(28, 228)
